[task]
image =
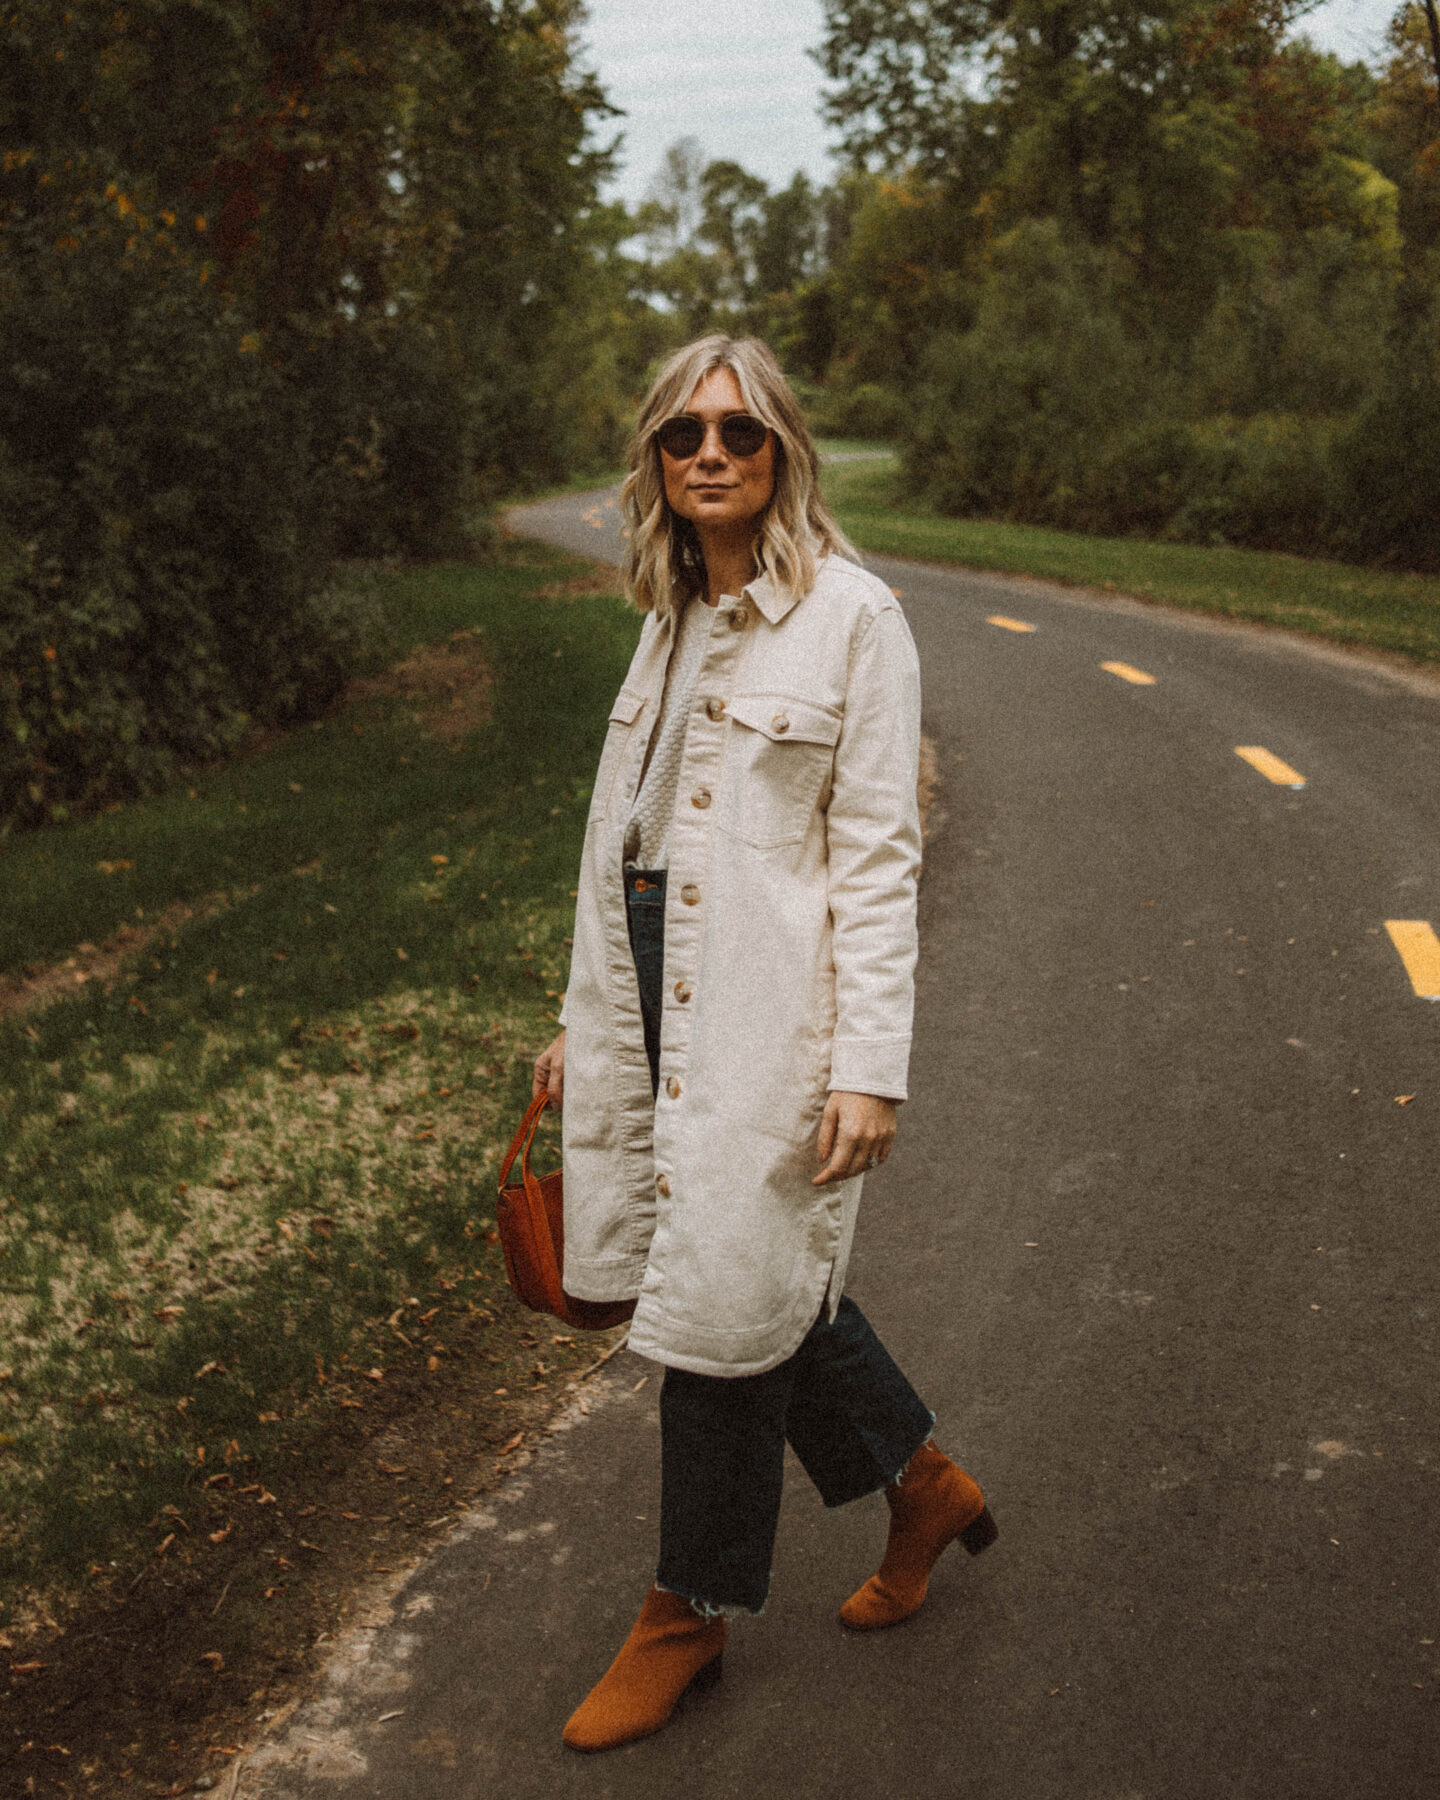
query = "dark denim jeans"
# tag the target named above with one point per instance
(645, 915)
(841, 1401)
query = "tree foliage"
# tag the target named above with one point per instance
(1180, 204)
(277, 283)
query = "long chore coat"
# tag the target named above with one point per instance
(789, 970)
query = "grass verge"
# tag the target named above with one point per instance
(1338, 601)
(246, 1175)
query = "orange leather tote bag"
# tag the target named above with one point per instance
(531, 1218)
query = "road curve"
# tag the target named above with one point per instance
(1160, 1244)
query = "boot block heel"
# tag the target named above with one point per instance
(708, 1676)
(980, 1533)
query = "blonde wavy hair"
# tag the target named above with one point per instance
(664, 565)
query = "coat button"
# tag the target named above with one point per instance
(672, 1088)
(690, 894)
(737, 618)
(683, 991)
(780, 722)
(700, 798)
(715, 709)
(662, 1186)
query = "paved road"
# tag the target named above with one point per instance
(1159, 1245)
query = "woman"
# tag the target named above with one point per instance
(739, 1012)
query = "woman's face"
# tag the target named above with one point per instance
(714, 488)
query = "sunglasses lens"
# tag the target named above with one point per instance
(680, 437)
(743, 435)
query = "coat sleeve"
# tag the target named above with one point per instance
(873, 834)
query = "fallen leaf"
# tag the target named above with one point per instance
(166, 1313)
(1403, 1099)
(214, 1658)
(164, 1544)
(268, 1418)
(219, 1537)
(399, 1713)
(375, 1375)
(432, 1363)
(391, 1468)
(28, 1668)
(205, 1369)
(514, 1443)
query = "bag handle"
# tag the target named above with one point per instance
(523, 1138)
(547, 1262)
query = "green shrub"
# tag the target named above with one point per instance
(163, 543)
(1389, 457)
(1010, 416)
(1271, 482)
(1063, 406)
(866, 410)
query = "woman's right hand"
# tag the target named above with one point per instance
(550, 1072)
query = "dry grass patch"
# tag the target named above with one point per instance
(36, 987)
(599, 581)
(449, 687)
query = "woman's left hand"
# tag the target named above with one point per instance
(856, 1133)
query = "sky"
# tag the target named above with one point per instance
(735, 74)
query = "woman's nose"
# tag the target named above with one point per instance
(712, 449)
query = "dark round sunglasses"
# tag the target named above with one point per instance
(682, 436)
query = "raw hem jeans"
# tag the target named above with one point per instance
(840, 1401)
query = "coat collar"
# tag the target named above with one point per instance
(773, 604)
(767, 598)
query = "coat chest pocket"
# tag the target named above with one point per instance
(623, 715)
(777, 766)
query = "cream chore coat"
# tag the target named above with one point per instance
(789, 963)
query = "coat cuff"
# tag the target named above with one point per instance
(870, 1066)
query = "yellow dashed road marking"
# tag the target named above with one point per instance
(1270, 766)
(1126, 673)
(1008, 624)
(1419, 949)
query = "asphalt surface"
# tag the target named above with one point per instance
(1159, 1244)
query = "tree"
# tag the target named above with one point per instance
(276, 283)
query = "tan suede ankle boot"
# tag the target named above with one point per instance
(670, 1647)
(931, 1505)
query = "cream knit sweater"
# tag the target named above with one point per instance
(648, 829)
